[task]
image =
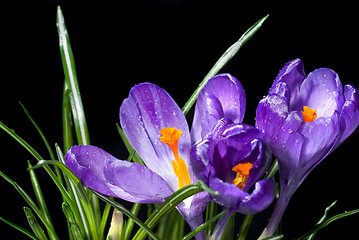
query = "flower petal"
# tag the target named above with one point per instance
(208, 111)
(104, 173)
(201, 158)
(137, 181)
(192, 208)
(271, 113)
(321, 90)
(349, 115)
(229, 194)
(230, 93)
(146, 111)
(320, 136)
(261, 197)
(292, 74)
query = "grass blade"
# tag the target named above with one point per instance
(31, 203)
(75, 231)
(171, 202)
(202, 226)
(66, 119)
(80, 191)
(76, 206)
(68, 64)
(222, 61)
(39, 197)
(327, 222)
(12, 133)
(322, 219)
(129, 225)
(20, 229)
(49, 149)
(125, 211)
(35, 226)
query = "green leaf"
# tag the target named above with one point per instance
(75, 203)
(129, 226)
(125, 211)
(80, 191)
(211, 211)
(20, 229)
(171, 202)
(60, 165)
(327, 222)
(202, 226)
(276, 237)
(75, 231)
(245, 227)
(35, 226)
(27, 146)
(272, 170)
(66, 119)
(68, 64)
(34, 153)
(323, 218)
(31, 203)
(222, 61)
(49, 149)
(39, 197)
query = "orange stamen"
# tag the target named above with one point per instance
(309, 115)
(242, 170)
(170, 136)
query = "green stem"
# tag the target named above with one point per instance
(245, 227)
(40, 198)
(66, 119)
(129, 226)
(222, 61)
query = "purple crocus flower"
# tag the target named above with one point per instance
(229, 156)
(304, 118)
(231, 159)
(158, 131)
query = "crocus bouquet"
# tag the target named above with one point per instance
(201, 174)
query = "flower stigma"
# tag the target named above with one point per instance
(309, 114)
(170, 136)
(242, 170)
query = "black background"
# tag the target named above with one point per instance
(172, 44)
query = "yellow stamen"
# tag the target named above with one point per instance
(309, 115)
(242, 170)
(170, 136)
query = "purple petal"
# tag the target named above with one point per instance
(146, 111)
(229, 194)
(292, 74)
(238, 143)
(271, 113)
(87, 163)
(201, 158)
(320, 136)
(104, 173)
(321, 90)
(261, 197)
(231, 95)
(260, 157)
(349, 115)
(138, 181)
(286, 144)
(193, 207)
(207, 113)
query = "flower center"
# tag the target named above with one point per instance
(170, 136)
(242, 170)
(309, 115)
